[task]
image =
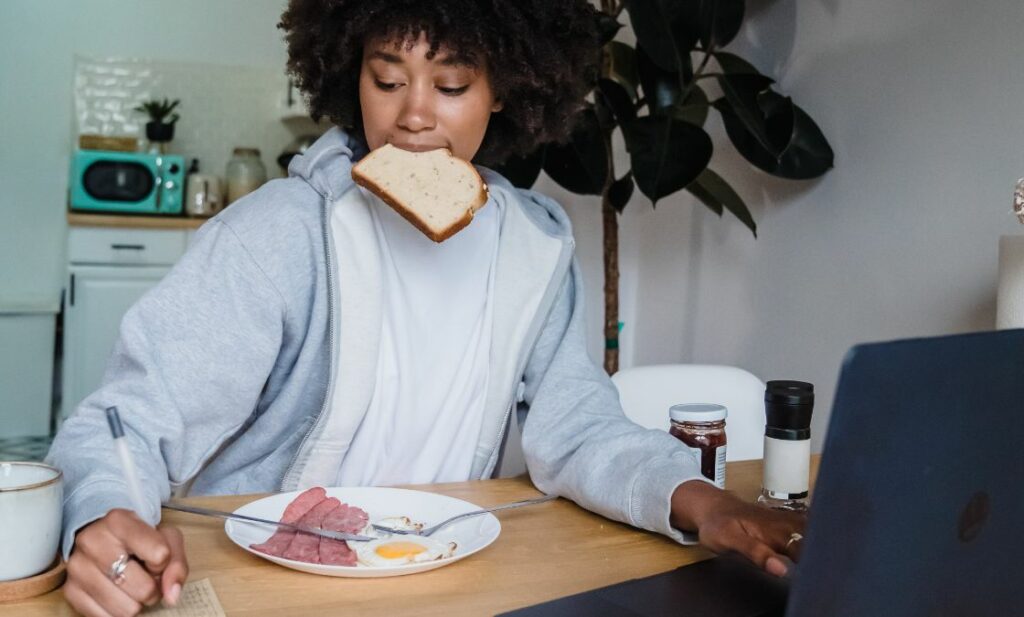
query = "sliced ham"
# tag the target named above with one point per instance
(345, 518)
(314, 509)
(306, 546)
(278, 543)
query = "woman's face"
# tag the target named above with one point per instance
(418, 104)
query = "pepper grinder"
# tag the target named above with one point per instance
(787, 445)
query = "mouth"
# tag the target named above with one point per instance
(416, 147)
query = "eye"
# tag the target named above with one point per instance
(385, 86)
(452, 91)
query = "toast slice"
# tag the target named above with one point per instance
(435, 191)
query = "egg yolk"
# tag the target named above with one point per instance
(396, 550)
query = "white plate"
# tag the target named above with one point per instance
(472, 534)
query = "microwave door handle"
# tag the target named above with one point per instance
(159, 191)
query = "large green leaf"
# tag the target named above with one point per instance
(620, 66)
(705, 196)
(743, 95)
(666, 153)
(581, 165)
(603, 111)
(808, 154)
(720, 21)
(715, 193)
(607, 27)
(620, 192)
(731, 63)
(686, 24)
(779, 117)
(616, 99)
(661, 88)
(522, 171)
(694, 109)
(652, 22)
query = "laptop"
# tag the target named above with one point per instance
(917, 508)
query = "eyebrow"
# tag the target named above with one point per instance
(446, 60)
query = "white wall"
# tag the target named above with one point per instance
(38, 39)
(921, 102)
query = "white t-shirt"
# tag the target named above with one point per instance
(424, 417)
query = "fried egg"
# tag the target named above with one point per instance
(401, 550)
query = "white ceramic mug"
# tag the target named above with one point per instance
(31, 498)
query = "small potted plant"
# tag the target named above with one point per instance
(160, 128)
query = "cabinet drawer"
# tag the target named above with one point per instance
(99, 245)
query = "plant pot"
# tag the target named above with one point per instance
(158, 131)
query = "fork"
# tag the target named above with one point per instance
(429, 530)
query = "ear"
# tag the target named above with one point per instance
(498, 106)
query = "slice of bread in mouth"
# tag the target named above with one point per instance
(435, 191)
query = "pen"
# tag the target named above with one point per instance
(127, 463)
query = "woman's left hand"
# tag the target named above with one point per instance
(725, 523)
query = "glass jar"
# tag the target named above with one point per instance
(701, 427)
(245, 173)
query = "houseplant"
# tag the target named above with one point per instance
(657, 95)
(160, 127)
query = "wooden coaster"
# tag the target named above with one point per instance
(34, 585)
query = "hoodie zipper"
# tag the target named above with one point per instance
(542, 315)
(329, 266)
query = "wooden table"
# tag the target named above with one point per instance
(544, 552)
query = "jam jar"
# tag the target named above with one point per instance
(701, 427)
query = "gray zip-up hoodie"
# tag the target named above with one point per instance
(248, 368)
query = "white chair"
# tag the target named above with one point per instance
(647, 392)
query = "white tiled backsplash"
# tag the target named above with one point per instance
(221, 107)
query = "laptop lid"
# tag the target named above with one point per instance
(919, 501)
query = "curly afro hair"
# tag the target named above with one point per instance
(542, 57)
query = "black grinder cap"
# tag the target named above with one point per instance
(788, 405)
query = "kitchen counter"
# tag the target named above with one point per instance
(79, 219)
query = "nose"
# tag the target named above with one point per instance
(417, 112)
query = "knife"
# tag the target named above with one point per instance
(316, 531)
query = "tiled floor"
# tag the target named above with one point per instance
(24, 448)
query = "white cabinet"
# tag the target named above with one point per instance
(26, 366)
(109, 270)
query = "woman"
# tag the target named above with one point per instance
(312, 336)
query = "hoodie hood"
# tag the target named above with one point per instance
(327, 164)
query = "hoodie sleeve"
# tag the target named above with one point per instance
(190, 362)
(578, 443)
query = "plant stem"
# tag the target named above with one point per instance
(611, 266)
(611, 241)
(699, 72)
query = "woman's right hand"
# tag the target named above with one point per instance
(726, 523)
(157, 568)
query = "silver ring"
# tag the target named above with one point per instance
(116, 571)
(793, 537)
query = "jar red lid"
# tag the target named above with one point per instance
(697, 412)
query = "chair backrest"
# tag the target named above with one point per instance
(647, 392)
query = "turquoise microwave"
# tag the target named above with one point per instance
(126, 182)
